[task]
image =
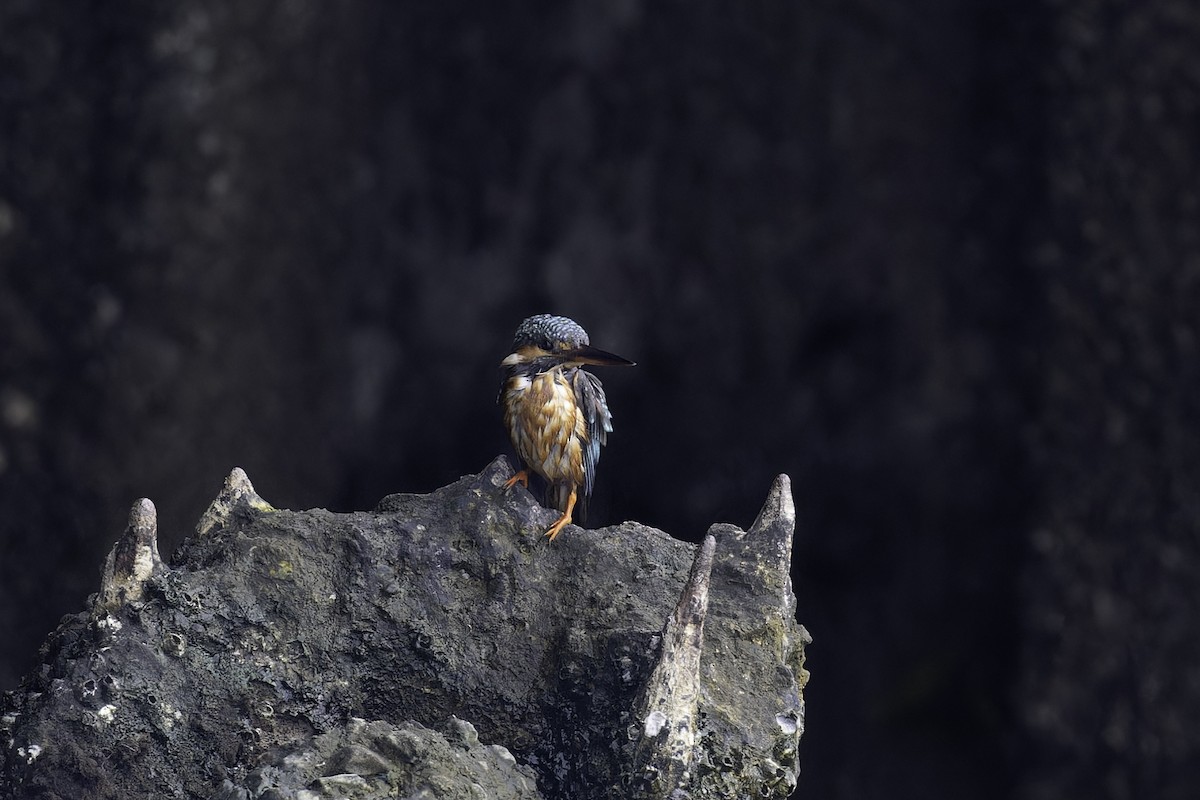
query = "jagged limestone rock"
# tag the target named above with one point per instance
(668, 711)
(237, 493)
(132, 561)
(753, 668)
(283, 650)
(378, 760)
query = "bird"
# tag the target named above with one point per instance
(555, 411)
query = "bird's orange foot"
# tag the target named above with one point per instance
(565, 519)
(521, 477)
(556, 528)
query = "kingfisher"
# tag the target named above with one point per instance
(555, 411)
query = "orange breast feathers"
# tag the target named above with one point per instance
(547, 428)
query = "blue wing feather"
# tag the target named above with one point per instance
(596, 415)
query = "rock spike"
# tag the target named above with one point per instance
(237, 492)
(668, 707)
(132, 560)
(769, 539)
(753, 592)
(778, 511)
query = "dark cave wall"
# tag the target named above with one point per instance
(932, 262)
(1108, 599)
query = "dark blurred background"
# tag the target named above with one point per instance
(939, 262)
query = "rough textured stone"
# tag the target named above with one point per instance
(366, 760)
(312, 654)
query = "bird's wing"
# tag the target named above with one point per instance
(594, 407)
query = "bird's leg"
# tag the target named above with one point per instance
(521, 477)
(565, 519)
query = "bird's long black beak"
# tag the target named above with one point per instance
(592, 355)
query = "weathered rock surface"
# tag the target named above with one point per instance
(435, 647)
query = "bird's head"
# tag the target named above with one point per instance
(550, 340)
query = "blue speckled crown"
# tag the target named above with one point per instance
(550, 333)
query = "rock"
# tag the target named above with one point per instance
(132, 561)
(669, 709)
(380, 760)
(435, 647)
